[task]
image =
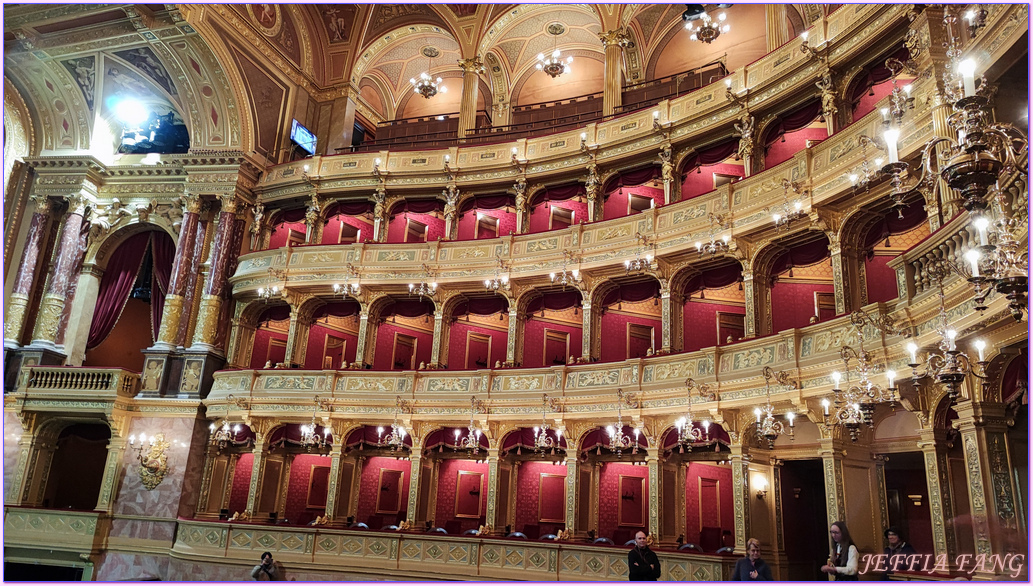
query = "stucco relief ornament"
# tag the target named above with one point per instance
(256, 226)
(828, 95)
(108, 218)
(667, 167)
(592, 184)
(520, 187)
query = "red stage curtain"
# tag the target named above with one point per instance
(163, 252)
(348, 208)
(555, 301)
(409, 308)
(633, 292)
(115, 286)
(794, 120)
(876, 72)
(895, 222)
(715, 278)
(292, 216)
(712, 154)
(337, 309)
(486, 202)
(557, 194)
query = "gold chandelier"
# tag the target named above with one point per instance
(472, 442)
(564, 277)
(715, 246)
(555, 65)
(788, 213)
(543, 442)
(769, 428)
(865, 394)
(709, 29)
(978, 155)
(619, 441)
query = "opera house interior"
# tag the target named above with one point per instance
(481, 291)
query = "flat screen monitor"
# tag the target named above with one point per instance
(303, 137)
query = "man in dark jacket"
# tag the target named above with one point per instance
(643, 565)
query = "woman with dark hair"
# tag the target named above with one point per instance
(897, 552)
(842, 555)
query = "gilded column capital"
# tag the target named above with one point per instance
(230, 202)
(77, 204)
(43, 204)
(191, 202)
(617, 36)
(471, 65)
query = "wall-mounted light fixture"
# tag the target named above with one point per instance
(761, 482)
(154, 464)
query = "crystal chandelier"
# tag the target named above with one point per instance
(769, 428)
(619, 441)
(427, 86)
(309, 438)
(978, 155)
(715, 246)
(787, 214)
(348, 288)
(640, 262)
(900, 98)
(865, 174)
(565, 277)
(866, 393)
(424, 289)
(555, 65)
(948, 366)
(396, 439)
(544, 442)
(472, 442)
(708, 29)
(499, 282)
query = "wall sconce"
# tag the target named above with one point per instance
(796, 492)
(761, 483)
(916, 499)
(376, 168)
(154, 464)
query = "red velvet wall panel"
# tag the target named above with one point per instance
(867, 103)
(241, 481)
(278, 238)
(468, 222)
(609, 498)
(370, 487)
(296, 505)
(880, 279)
(385, 345)
(711, 509)
(699, 183)
(534, 341)
(528, 496)
(448, 477)
(397, 226)
(792, 304)
(261, 347)
(457, 357)
(332, 230)
(699, 319)
(540, 213)
(317, 342)
(615, 335)
(796, 141)
(616, 205)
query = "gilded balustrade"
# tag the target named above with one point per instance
(428, 556)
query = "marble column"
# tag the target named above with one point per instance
(415, 468)
(54, 298)
(941, 501)
(222, 254)
(194, 271)
(493, 487)
(435, 348)
(18, 304)
(613, 62)
(174, 299)
(293, 335)
(468, 106)
(653, 463)
(740, 497)
(996, 523)
(112, 472)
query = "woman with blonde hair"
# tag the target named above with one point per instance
(751, 568)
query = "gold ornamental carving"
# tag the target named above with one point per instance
(207, 319)
(192, 203)
(154, 462)
(15, 321)
(170, 319)
(49, 318)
